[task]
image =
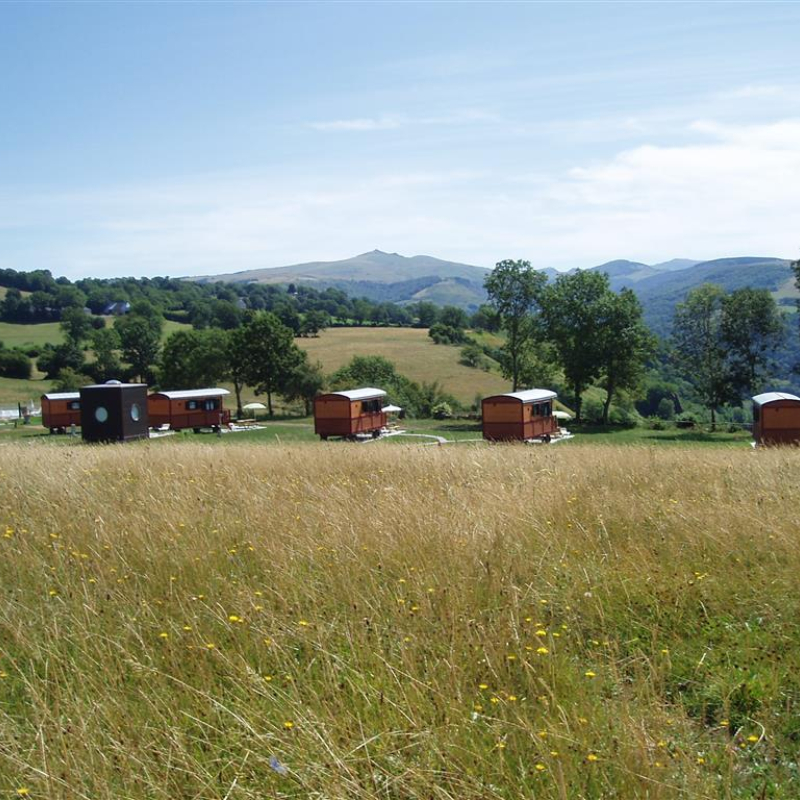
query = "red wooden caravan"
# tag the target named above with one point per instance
(776, 418)
(190, 408)
(61, 410)
(349, 413)
(519, 416)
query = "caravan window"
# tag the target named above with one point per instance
(211, 405)
(371, 406)
(74, 405)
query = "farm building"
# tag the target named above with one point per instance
(519, 416)
(61, 410)
(349, 413)
(776, 418)
(113, 412)
(190, 408)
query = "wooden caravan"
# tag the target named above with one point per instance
(349, 413)
(519, 416)
(113, 412)
(776, 418)
(61, 410)
(191, 408)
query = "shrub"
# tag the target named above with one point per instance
(15, 364)
(666, 408)
(442, 411)
(623, 417)
(446, 334)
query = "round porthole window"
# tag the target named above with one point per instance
(135, 412)
(101, 414)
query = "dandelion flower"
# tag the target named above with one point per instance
(303, 623)
(590, 674)
(701, 760)
(23, 791)
(542, 651)
(483, 686)
(288, 724)
(541, 632)
(163, 635)
(540, 767)
(752, 738)
(210, 645)
(592, 757)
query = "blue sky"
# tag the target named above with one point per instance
(193, 138)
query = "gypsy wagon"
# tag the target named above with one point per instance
(349, 413)
(519, 416)
(61, 410)
(776, 418)
(189, 408)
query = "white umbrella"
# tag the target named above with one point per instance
(253, 407)
(557, 415)
(391, 409)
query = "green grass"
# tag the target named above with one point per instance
(14, 335)
(14, 390)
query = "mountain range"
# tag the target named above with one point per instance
(391, 277)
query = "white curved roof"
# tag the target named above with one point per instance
(361, 394)
(63, 396)
(187, 393)
(771, 397)
(530, 395)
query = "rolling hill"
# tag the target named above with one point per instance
(394, 278)
(381, 277)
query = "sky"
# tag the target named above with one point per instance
(189, 138)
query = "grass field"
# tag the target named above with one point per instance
(337, 621)
(413, 353)
(13, 335)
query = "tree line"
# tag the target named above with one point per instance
(722, 345)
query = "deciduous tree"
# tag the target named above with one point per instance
(701, 349)
(625, 344)
(575, 308)
(753, 329)
(514, 290)
(270, 355)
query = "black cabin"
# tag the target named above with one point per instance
(114, 412)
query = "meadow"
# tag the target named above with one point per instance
(414, 354)
(336, 621)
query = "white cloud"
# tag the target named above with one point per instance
(393, 121)
(730, 190)
(359, 124)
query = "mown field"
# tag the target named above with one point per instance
(413, 353)
(333, 621)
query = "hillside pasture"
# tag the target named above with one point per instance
(413, 353)
(369, 622)
(13, 334)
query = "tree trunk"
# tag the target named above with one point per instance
(269, 403)
(237, 388)
(577, 404)
(607, 405)
(713, 419)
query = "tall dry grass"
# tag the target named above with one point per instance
(337, 621)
